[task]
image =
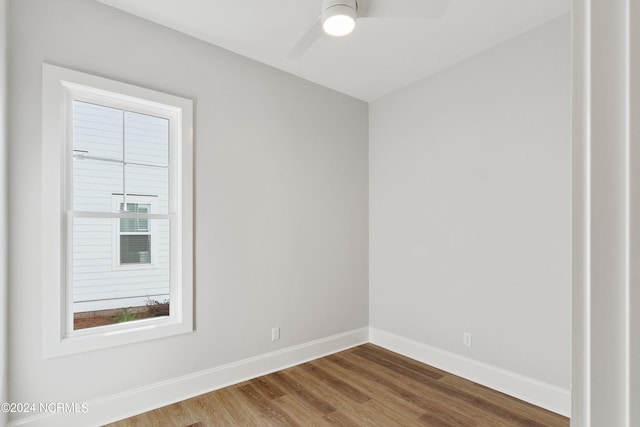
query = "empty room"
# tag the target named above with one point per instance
(319, 212)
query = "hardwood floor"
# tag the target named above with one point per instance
(362, 386)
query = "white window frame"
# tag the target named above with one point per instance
(61, 87)
(153, 232)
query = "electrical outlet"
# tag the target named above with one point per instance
(466, 339)
(275, 334)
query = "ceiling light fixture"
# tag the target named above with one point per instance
(338, 17)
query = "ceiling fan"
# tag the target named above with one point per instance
(338, 17)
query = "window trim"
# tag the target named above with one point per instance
(60, 85)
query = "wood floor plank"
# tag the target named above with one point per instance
(300, 413)
(337, 418)
(156, 418)
(391, 402)
(548, 418)
(363, 386)
(307, 396)
(365, 415)
(211, 410)
(270, 411)
(319, 388)
(232, 401)
(336, 383)
(142, 420)
(268, 387)
(437, 420)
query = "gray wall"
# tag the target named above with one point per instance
(3, 207)
(470, 207)
(281, 200)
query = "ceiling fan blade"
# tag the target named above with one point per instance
(307, 40)
(402, 8)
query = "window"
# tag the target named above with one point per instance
(135, 242)
(117, 164)
(134, 236)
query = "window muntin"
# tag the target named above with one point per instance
(94, 162)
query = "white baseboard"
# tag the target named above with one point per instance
(143, 399)
(536, 392)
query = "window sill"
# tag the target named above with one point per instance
(115, 335)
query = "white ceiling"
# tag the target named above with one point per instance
(380, 56)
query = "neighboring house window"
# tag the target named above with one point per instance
(134, 236)
(135, 240)
(117, 164)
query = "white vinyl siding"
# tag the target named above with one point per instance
(99, 283)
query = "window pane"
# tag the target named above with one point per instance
(146, 139)
(141, 208)
(135, 249)
(134, 225)
(97, 131)
(149, 181)
(108, 289)
(94, 183)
